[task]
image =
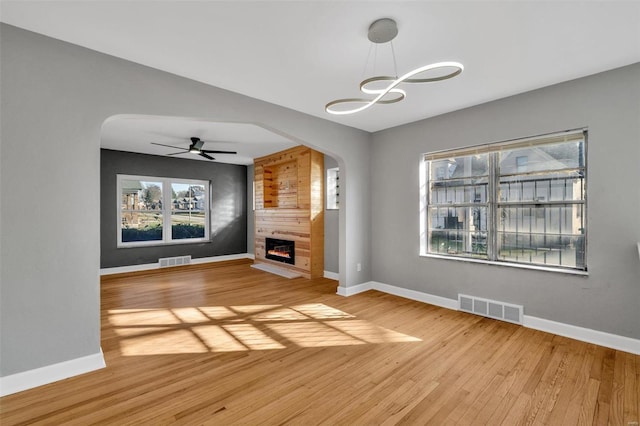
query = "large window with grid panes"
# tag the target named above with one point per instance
(519, 202)
(160, 210)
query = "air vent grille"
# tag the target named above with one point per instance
(174, 261)
(491, 308)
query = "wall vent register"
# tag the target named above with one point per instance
(491, 308)
(174, 261)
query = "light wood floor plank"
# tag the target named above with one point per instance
(228, 344)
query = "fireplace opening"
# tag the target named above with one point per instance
(280, 250)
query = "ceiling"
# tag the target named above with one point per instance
(304, 54)
(137, 133)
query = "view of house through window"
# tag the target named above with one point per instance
(162, 210)
(519, 202)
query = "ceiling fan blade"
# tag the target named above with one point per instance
(168, 146)
(208, 157)
(176, 153)
(213, 151)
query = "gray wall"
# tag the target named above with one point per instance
(228, 211)
(608, 299)
(331, 227)
(56, 96)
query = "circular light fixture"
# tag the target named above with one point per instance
(391, 88)
(383, 31)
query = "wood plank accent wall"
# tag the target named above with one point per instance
(289, 198)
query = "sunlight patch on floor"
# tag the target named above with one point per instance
(370, 332)
(165, 343)
(320, 311)
(280, 314)
(139, 317)
(217, 339)
(252, 338)
(243, 328)
(309, 335)
(190, 315)
(217, 312)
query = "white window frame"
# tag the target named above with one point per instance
(167, 238)
(333, 188)
(494, 203)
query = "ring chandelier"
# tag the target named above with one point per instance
(382, 31)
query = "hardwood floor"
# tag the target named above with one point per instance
(229, 344)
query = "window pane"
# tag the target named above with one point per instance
(558, 156)
(547, 235)
(559, 186)
(141, 225)
(535, 187)
(458, 191)
(458, 230)
(141, 204)
(459, 167)
(188, 204)
(333, 188)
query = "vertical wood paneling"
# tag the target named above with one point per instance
(290, 206)
(316, 205)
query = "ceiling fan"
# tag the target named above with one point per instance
(195, 148)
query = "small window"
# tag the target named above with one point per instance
(333, 188)
(154, 210)
(517, 202)
(521, 163)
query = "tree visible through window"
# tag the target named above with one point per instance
(149, 207)
(518, 202)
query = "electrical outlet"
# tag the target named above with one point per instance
(358, 267)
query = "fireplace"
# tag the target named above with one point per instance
(280, 250)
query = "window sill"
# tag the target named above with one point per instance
(508, 264)
(161, 243)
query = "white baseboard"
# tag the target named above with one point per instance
(614, 341)
(332, 275)
(151, 266)
(350, 291)
(51, 373)
(419, 296)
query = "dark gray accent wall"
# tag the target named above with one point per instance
(228, 219)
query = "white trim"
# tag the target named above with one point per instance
(332, 275)
(588, 335)
(51, 373)
(614, 341)
(431, 299)
(350, 291)
(507, 264)
(151, 266)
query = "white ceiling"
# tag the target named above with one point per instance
(302, 54)
(135, 133)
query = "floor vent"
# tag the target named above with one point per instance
(490, 308)
(174, 261)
